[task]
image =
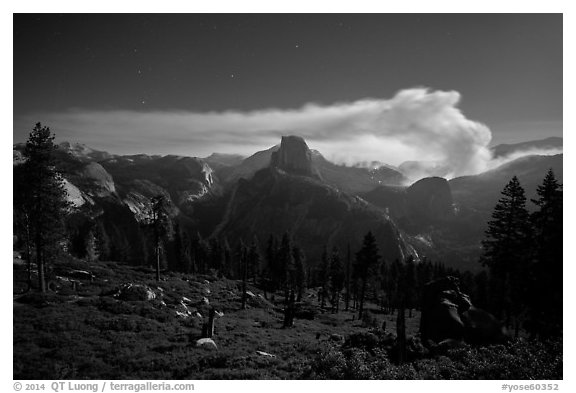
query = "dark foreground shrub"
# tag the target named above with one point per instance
(519, 359)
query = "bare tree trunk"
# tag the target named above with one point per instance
(362, 294)
(348, 261)
(208, 328)
(157, 262)
(40, 265)
(244, 294)
(401, 333)
(289, 312)
(28, 251)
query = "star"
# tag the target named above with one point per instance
(231, 75)
(143, 102)
(297, 46)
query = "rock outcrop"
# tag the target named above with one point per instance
(448, 314)
(136, 292)
(294, 156)
(430, 198)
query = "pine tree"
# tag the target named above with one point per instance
(348, 276)
(286, 266)
(270, 268)
(409, 283)
(546, 295)
(160, 226)
(217, 257)
(366, 260)
(324, 274)
(300, 272)
(92, 253)
(394, 286)
(337, 278)
(227, 268)
(196, 254)
(506, 252)
(43, 200)
(181, 250)
(254, 260)
(242, 254)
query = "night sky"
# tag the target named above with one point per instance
(507, 68)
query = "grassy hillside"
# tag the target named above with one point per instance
(84, 330)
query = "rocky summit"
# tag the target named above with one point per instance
(294, 156)
(430, 197)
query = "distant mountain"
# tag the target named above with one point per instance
(219, 160)
(552, 143)
(481, 192)
(248, 167)
(293, 156)
(447, 219)
(427, 201)
(345, 178)
(476, 196)
(280, 199)
(287, 188)
(185, 179)
(83, 152)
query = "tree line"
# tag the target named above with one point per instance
(524, 256)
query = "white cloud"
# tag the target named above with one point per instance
(415, 124)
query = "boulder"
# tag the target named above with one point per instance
(337, 337)
(448, 314)
(206, 343)
(482, 327)
(136, 292)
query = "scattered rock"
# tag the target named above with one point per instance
(337, 337)
(206, 343)
(135, 292)
(80, 274)
(183, 311)
(262, 353)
